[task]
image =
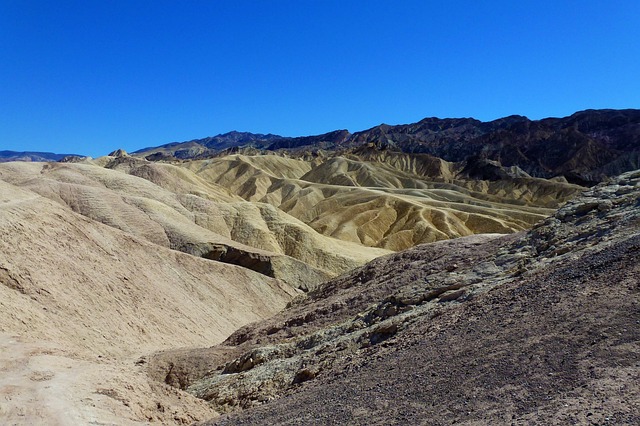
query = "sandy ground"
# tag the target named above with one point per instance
(81, 302)
(43, 384)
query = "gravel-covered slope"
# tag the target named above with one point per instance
(533, 328)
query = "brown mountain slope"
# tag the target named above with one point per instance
(532, 328)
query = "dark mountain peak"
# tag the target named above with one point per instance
(215, 143)
(584, 147)
(508, 121)
(245, 136)
(444, 123)
(329, 140)
(594, 120)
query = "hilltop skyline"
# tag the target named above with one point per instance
(89, 78)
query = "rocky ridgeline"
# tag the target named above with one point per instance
(584, 148)
(376, 303)
(609, 211)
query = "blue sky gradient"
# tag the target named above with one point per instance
(88, 76)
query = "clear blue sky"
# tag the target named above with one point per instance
(90, 76)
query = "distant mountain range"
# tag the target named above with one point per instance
(215, 144)
(32, 156)
(584, 147)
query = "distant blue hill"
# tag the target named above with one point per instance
(33, 156)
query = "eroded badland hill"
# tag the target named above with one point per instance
(405, 274)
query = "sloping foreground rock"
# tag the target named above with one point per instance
(540, 327)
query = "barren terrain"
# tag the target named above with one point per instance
(122, 278)
(391, 201)
(532, 328)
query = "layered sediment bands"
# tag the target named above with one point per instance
(330, 213)
(388, 200)
(172, 207)
(80, 301)
(68, 278)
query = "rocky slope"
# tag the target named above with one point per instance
(532, 328)
(585, 147)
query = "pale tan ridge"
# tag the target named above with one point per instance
(80, 301)
(193, 218)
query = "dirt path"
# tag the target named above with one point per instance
(41, 384)
(37, 384)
